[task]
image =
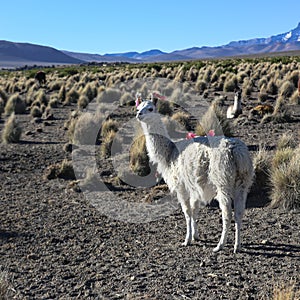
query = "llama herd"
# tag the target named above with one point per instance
(200, 169)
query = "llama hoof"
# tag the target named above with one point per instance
(237, 249)
(217, 249)
(196, 239)
(186, 243)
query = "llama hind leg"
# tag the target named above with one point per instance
(226, 219)
(239, 208)
(195, 211)
(188, 219)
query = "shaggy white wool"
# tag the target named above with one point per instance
(198, 170)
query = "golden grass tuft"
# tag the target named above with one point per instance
(214, 119)
(139, 160)
(84, 129)
(286, 141)
(107, 140)
(286, 292)
(15, 104)
(12, 131)
(286, 90)
(285, 179)
(108, 126)
(183, 119)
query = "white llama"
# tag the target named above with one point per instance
(198, 170)
(236, 109)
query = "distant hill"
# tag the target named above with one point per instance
(87, 57)
(288, 41)
(20, 54)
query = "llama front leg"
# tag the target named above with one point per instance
(188, 219)
(226, 219)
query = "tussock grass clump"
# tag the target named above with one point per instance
(53, 103)
(262, 96)
(63, 170)
(15, 104)
(66, 170)
(281, 112)
(272, 88)
(3, 95)
(286, 292)
(12, 131)
(83, 129)
(72, 96)
(36, 112)
(83, 101)
(293, 77)
(183, 119)
(89, 91)
(286, 141)
(201, 86)
(42, 98)
(230, 84)
(139, 160)
(62, 94)
(127, 99)
(286, 90)
(105, 148)
(109, 95)
(262, 161)
(164, 107)
(285, 179)
(295, 98)
(214, 119)
(2, 106)
(55, 85)
(281, 157)
(108, 126)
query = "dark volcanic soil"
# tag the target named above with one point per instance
(55, 245)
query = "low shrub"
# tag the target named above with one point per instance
(108, 126)
(15, 104)
(285, 179)
(214, 119)
(105, 148)
(139, 160)
(12, 131)
(183, 119)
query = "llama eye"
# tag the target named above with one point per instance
(150, 109)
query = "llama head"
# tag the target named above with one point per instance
(145, 108)
(238, 95)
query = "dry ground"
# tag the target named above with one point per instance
(55, 245)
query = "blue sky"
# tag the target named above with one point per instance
(96, 26)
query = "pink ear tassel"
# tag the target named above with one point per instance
(190, 135)
(211, 133)
(159, 96)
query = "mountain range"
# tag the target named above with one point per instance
(14, 54)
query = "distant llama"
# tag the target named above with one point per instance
(235, 110)
(262, 109)
(40, 76)
(199, 169)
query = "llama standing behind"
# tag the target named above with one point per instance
(198, 170)
(235, 110)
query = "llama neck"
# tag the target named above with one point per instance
(160, 147)
(237, 105)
